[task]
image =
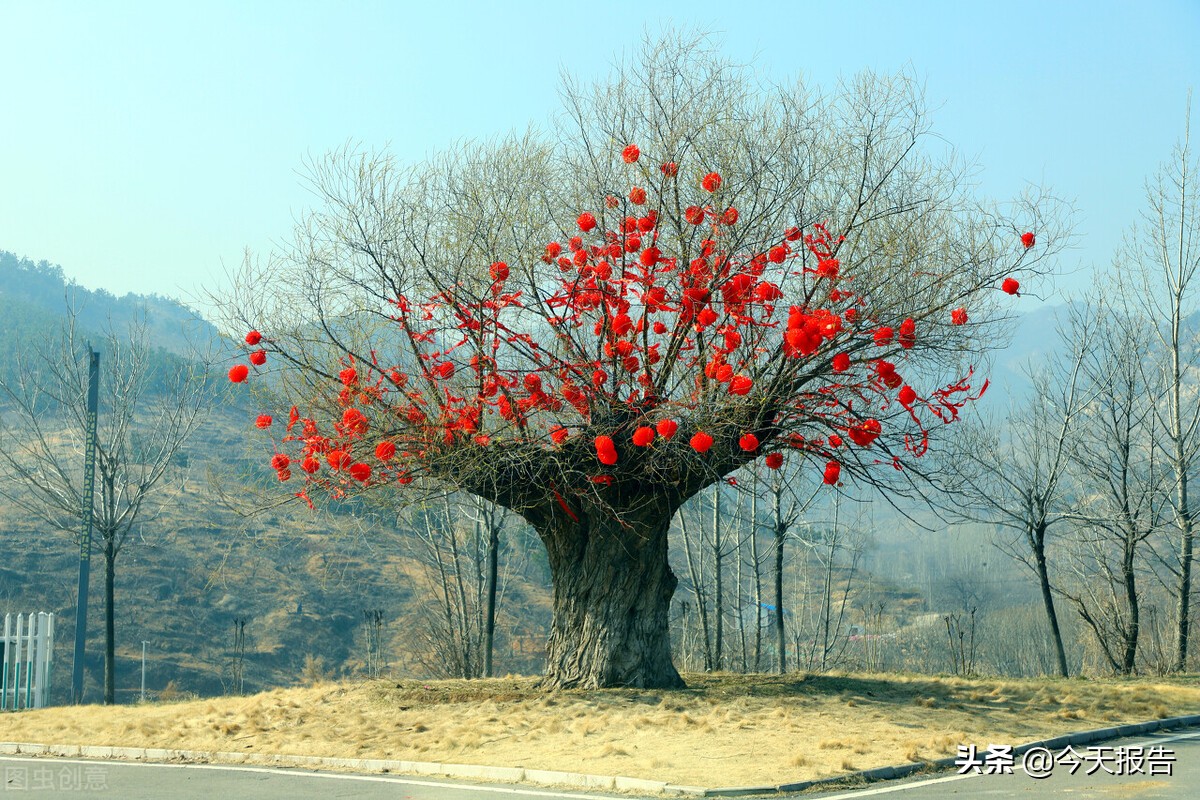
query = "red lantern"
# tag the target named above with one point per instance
(1010, 286)
(740, 385)
(666, 428)
(1027, 239)
(748, 442)
(958, 316)
(280, 462)
(730, 217)
(670, 169)
(360, 472)
(711, 182)
(841, 362)
(643, 436)
(606, 451)
(385, 451)
(338, 459)
(238, 373)
(586, 221)
(774, 460)
(253, 338)
(263, 421)
(631, 153)
(499, 271)
(637, 195)
(907, 395)
(694, 215)
(701, 442)
(258, 358)
(833, 471)
(883, 335)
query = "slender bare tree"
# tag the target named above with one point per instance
(1119, 497)
(1013, 473)
(150, 405)
(1157, 271)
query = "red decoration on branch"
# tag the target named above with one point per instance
(1010, 286)
(630, 154)
(1028, 239)
(238, 373)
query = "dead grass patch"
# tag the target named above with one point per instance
(701, 735)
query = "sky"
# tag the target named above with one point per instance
(146, 146)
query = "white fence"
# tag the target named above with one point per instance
(25, 653)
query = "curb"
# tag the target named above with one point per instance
(547, 777)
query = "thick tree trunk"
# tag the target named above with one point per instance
(612, 595)
(110, 660)
(1038, 539)
(489, 620)
(1129, 577)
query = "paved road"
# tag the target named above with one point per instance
(76, 778)
(91, 780)
(1182, 784)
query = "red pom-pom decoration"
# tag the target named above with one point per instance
(643, 436)
(606, 451)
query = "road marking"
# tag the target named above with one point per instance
(302, 773)
(931, 781)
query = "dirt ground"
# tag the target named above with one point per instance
(723, 730)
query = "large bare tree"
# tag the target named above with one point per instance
(693, 272)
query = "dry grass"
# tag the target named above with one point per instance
(724, 730)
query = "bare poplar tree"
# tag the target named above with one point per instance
(1157, 268)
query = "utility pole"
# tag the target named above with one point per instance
(144, 643)
(85, 539)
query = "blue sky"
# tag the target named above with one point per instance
(144, 146)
